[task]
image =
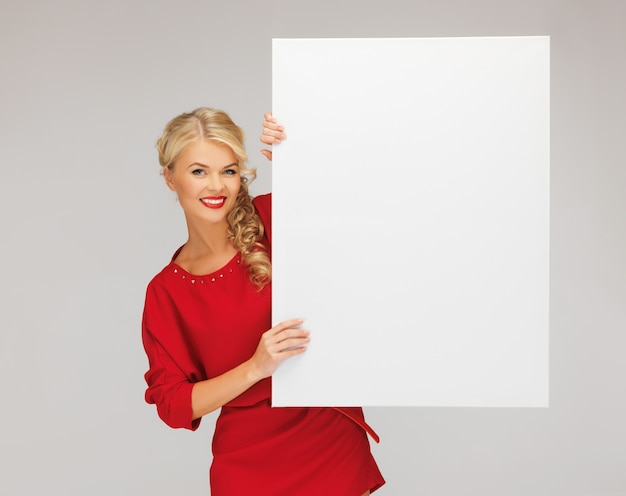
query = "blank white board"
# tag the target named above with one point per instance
(411, 220)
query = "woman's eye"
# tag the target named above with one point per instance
(230, 172)
(197, 172)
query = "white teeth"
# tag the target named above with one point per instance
(211, 201)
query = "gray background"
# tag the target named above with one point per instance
(86, 88)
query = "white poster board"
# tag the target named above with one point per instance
(411, 220)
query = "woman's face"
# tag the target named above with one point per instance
(206, 179)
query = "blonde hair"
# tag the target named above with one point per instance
(245, 228)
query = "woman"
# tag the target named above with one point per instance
(208, 335)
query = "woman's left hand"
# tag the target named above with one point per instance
(273, 133)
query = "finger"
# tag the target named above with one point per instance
(273, 124)
(289, 352)
(293, 346)
(282, 343)
(290, 323)
(277, 349)
(270, 140)
(270, 137)
(276, 132)
(268, 154)
(281, 357)
(291, 336)
(285, 324)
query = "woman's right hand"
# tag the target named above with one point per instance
(282, 341)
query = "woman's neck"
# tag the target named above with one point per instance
(207, 249)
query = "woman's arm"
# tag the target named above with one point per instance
(175, 379)
(273, 133)
(282, 341)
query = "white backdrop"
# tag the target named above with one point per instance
(419, 256)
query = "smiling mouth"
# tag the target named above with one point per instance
(214, 201)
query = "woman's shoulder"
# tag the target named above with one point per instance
(263, 202)
(163, 279)
(263, 205)
(160, 280)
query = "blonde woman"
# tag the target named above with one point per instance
(208, 336)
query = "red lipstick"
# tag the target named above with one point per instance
(213, 201)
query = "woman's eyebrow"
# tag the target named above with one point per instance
(198, 164)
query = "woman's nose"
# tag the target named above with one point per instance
(215, 183)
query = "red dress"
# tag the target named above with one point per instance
(197, 327)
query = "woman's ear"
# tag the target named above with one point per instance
(169, 180)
